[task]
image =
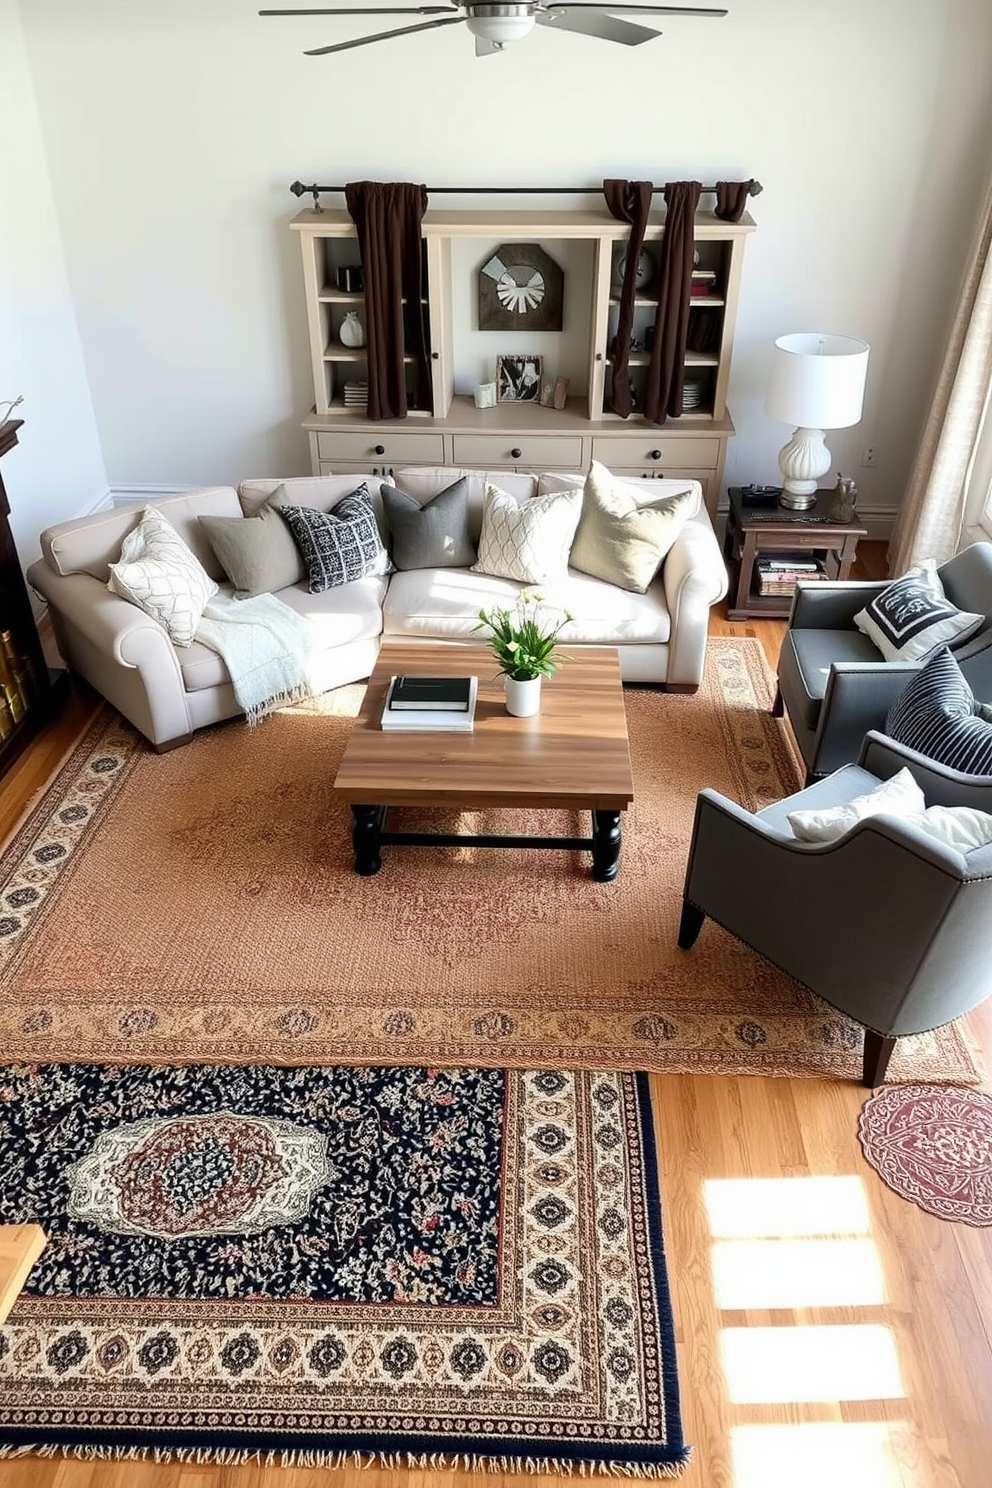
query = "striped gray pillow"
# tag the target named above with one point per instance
(937, 715)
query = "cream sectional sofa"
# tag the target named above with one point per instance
(168, 692)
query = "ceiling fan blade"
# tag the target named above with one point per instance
(347, 46)
(605, 27)
(407, 10)
(621, 9)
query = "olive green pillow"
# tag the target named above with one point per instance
(259, 553)
(620, 540)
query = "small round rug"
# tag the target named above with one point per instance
(933, 1144)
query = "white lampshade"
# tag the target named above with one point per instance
(817, 382)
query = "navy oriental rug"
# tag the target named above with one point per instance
(323, 1265)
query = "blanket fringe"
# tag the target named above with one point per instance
(301, 693)
(430, 1461)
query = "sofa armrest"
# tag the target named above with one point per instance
(122, 652)
(831, 604)
(694, 576)
(941, 785)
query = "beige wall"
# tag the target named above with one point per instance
(173, 127)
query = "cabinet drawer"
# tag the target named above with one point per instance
(701, 451)
(535, 451)
(377, 446)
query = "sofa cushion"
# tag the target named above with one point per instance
(445, 602)
(431, 532)
(804, 666)
(528, 542)
(620, 539)
(338, 546)
(937, 715)
(351, 612)
(912, 616)
(91, 544)
(896, 796)
(162, 576)
(258, 554)
(641, 489)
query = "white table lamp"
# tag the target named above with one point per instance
(817, 382)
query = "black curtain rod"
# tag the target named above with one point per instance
(298, 189)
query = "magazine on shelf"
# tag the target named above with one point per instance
(431, 719)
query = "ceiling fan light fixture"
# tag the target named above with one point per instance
(500, 24)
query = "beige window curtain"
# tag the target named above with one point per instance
(933, 511)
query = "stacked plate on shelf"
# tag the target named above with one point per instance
(692, 395)
(356, 394)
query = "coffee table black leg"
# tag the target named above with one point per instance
(605, 845)
(366, 824)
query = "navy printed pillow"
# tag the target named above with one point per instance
(912, 616)
(937, 715)
(338, 546)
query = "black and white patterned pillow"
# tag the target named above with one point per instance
(937, 715)
(912, 616)
(338, 546)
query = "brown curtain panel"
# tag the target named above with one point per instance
(628, 201)
(666, 373)
(388, 216)
(731, 199)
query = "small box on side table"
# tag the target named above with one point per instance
(752, 531)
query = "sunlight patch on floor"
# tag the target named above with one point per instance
(857, 1361)
(854, 1454)
(740, 1208)
(760, 1274)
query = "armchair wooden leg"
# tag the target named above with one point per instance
(690, 924)
(778, 706)
(878, 1051)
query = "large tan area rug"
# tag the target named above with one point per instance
(202, 905)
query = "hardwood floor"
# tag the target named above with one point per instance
(829, 1332)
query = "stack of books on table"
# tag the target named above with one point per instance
(781, 575)
(430, 704)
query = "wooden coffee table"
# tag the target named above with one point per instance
(572, 755)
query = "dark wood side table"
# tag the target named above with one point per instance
(30, 690)
(752, 530)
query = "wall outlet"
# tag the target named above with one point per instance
(868, 458)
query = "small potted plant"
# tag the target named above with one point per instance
(524, 641)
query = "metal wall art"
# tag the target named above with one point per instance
(521, 288)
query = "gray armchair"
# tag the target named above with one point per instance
(833, 684)
(886, 924)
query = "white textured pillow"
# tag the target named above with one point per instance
(528, 541)
(899, 796)
(958, 826)
(912, 616)
(162, 576)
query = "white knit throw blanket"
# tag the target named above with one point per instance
(266, 648)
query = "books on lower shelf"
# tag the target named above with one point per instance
(781, 575)
(447, 704)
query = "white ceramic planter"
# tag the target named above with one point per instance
(523, 699)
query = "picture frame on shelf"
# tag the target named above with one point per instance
(518, 378)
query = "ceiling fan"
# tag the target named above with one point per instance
(494, 23)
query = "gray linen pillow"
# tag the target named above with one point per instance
(432, 535)
(259, 553)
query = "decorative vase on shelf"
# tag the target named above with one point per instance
(523, 698)
(352, 332)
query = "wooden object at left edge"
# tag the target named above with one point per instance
(20, 1247)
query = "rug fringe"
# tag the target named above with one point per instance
(342, 1458)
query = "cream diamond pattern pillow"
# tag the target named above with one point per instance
(162, 576)
(527, 541)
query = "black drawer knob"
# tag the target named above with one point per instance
(656, 454)
(515, 454)
(380, 449)
(435, 356)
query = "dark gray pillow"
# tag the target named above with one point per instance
(937, 715)
(432, 535)
(338, 546)
(258, 554)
